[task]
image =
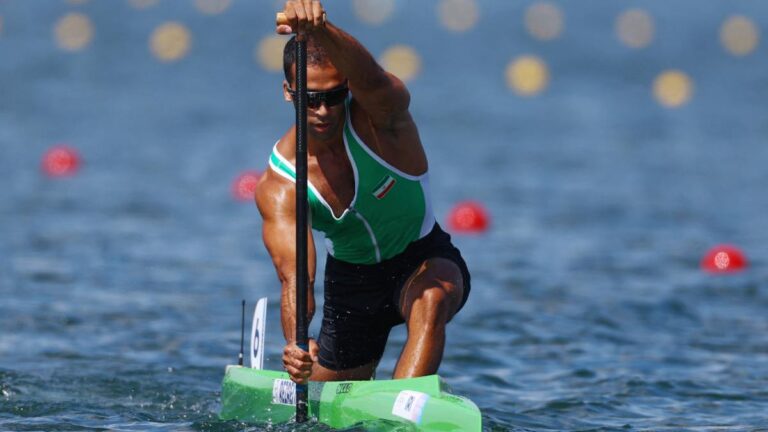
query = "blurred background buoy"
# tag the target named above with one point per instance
(245, 185)
(724, 259)
(60, 161)
(468, 217)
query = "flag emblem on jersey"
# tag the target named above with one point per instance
(384, 186)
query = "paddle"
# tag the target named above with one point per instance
(302, 275)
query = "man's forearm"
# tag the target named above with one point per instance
(288, 309)
(351, 58)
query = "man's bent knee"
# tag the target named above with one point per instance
(433, 306)
(435, 291)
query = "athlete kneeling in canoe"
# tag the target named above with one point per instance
(388, 260)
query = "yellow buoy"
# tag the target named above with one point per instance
(269, 53)
(212, 7)
(402, 61)
(739, 35)
(544, 21)
(373, 12)
(73, 32)
(673, 88)
(170, 42)
(142, 4)
(458, 15)
(635, 28)
(527, 75)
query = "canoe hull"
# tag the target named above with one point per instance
(262, 396)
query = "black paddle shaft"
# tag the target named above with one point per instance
(302, 275)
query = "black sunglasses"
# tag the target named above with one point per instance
(330, 97)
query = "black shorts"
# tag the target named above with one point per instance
(362, 301)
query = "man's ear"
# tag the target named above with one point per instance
(286, 95)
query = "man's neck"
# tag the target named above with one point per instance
(330, 147)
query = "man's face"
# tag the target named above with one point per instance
(323, 122)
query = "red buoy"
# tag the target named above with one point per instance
(60, 161)
(724, 259)
(245, 185)
(468, 217)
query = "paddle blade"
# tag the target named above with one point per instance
(257, 334)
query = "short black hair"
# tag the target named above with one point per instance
(316, 56)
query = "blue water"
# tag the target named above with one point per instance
(120, 287)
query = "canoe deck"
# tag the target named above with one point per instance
(263, 396)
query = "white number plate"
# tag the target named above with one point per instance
(410, 405)
(284, 392)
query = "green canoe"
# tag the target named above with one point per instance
(263, 396)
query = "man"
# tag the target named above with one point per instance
(388, 261)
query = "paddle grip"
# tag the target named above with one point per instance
(281, 19)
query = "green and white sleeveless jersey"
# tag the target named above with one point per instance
(390, 208)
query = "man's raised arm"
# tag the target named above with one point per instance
(380, 93)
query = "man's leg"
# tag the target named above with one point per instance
(430, 298)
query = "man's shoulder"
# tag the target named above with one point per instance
(273, 180)
(286, 146)
(274, 176)
(273, 191)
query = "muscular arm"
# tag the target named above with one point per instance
(382, 95)
(276, 200)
